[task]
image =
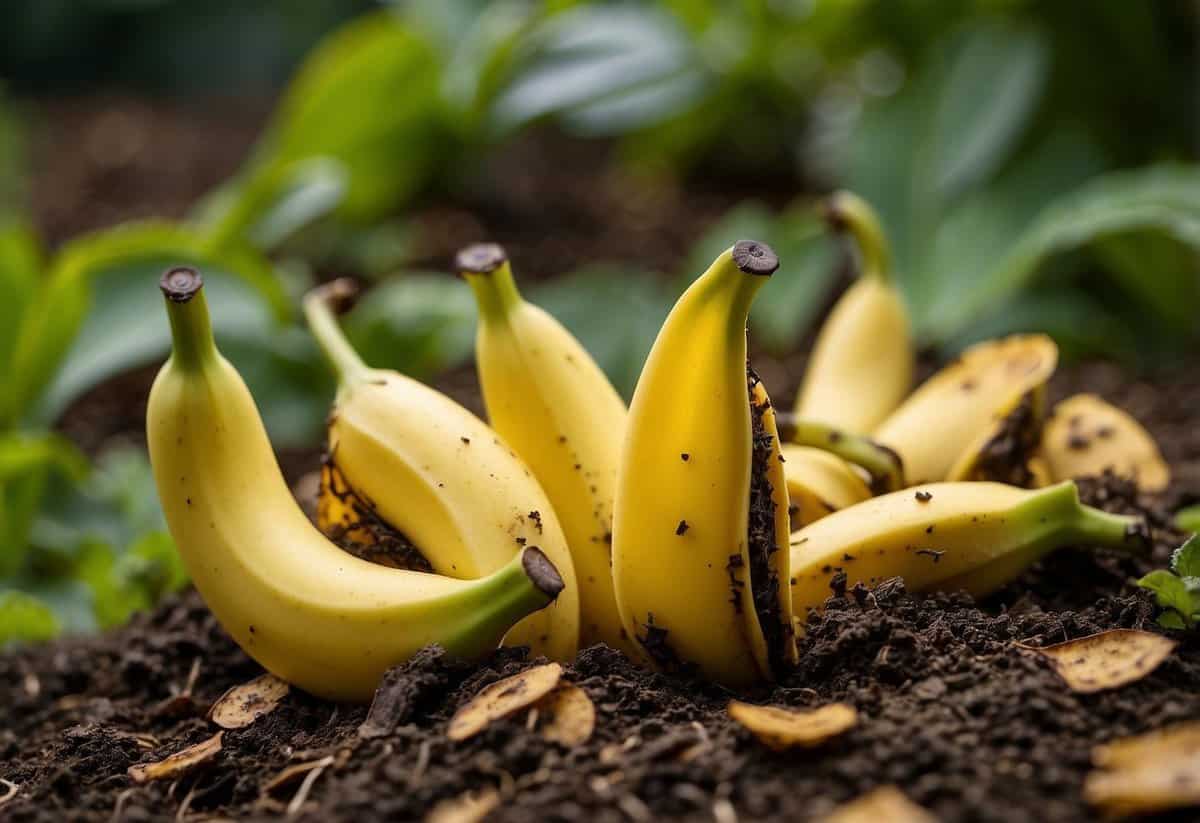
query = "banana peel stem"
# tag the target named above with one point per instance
(346, 362)
(192, 344)
(883, 464)
(846, 211)
(495, 291)
(1060, 505)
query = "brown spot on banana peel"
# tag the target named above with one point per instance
(350, 520)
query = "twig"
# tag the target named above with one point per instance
(119, 808)
(10, 790)
(297, 801)
(187, 802)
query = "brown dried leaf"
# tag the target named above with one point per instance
(567, 715)
(242, 705)
(502, 698)
(1148, 773)
(471, 807)
(178, 763)
(1109, 659)
(885, 803)
(782, 728)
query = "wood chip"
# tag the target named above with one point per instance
(1148, 773)
(179, 763)
(503, 698)
(567, 715)
(885, 803)
(242, 705)
(781, 728)
(471, 807)
(1107, 660)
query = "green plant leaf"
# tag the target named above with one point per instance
(604, 70)
(1185, 561)
(1171, 620)
(1189, 519)
(273, 205)
(993, 82)
(25, 619)
(1170, 593)
(1164, 199)
(20, 275)
(615, 312)
(367, 97)
(100, 313)
(26, 465)
(418, 324)
(115, 505)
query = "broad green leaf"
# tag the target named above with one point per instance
(68, 598)
(154, 564)
(949, 130)
(25, 619)
(100, 311)
(289, 382)
(115, 505)
(1172, 620)
(615, 312)
(1164, 199)
(367, 97)
(273, 205)
(992, 85)
(1170, 592)
(595, 56)
(418, 324)
(27, 463)
(1185, 561)
(1189, 519)
(789, 302)
(20, 274)
(985, 225)
(1158, 272)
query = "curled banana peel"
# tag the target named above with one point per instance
(700, 528)
(974, 536)
(548, 399)
(1003, 450)
(819, 483)
(1087, 436)
(862, 362)
(883, 466)
(957, 411)
(307, 611)
(405, 459)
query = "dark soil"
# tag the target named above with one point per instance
(953, 713)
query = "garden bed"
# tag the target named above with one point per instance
(953, 712)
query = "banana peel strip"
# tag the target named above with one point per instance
(1107, 660)
(503, 698)
(1148, 773)
(780, 728)
(177, 764)
(242, 705)
(887, 803)
(566, 716)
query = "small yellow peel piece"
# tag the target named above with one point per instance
(567, 714)
(781, 728)
(178, 763)
(502, 698)
(1109, 659)
(242, 705)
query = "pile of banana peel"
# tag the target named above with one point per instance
(696, 529)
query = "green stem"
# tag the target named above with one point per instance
(496, 291)
(192, 341)
(346, 363)
(883, 464)
(849, 212)
(1072, 522)
(522, 586)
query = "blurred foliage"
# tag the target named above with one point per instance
(1024, 182)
